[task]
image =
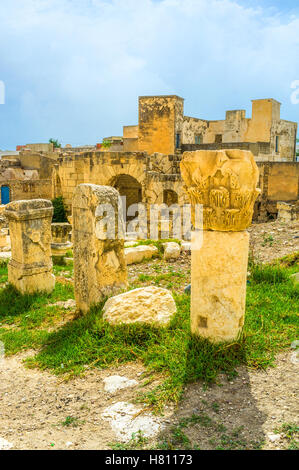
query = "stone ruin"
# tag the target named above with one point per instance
(60, 240)
(224, 183)
(99, 262)
(30, 268)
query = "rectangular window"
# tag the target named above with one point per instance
(177, 141)
(277, 144)
(198, 139)
(218, 138)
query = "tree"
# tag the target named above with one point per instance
(56, 144)
(59, 210)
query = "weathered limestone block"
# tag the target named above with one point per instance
(99, 261)
(287, 212)
(218, 280)
(172, 250)
(146, 304)
(60, 239)
(3, 239)
(139, 253)
(224, 182)
(30, 269)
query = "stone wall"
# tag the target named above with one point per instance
(33, 189)
(160, 119)
(144, 178)
(279, 181)
(140, 177)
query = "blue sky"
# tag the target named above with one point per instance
(73, 69)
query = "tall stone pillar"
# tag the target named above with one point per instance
(224, 184)
(30, 268)
(99, 263)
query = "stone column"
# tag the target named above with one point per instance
(224, 184)
(60, 240)
(30, 268)
(99, 263)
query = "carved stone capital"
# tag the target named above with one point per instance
(224, 183)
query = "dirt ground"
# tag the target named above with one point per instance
(40, 411)
(34, 405)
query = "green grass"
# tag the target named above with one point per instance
(178, 437)
(271, 325)
(290, 432)
(72, 421)
(3, 271)
(25, 319)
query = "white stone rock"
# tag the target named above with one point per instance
(172, 250)
(116, 382)
(139, 253)
(186, 246)
(146, 304)
(125, 419)
(294, 358)
(5, 255)
(273, 437)
(5, 445)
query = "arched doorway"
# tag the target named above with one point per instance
(129, 187)
(170, 197)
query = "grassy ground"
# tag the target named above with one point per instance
(271, 325)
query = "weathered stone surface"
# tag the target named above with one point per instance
(287, 212)
(218, 274)
(146, 304)
(172, 250)
(30, 269)
(139, 253)
(186, 246)
(5, 255)
(5, 445)
(117, 382)
(224, 182)
(126, 419)
(99, 261)
(3, 239)
(60, 239)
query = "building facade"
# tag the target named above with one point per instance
(163, 127)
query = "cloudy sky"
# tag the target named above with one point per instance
(73, 69)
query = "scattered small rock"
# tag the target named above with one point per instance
(273, 437)
(5, 445)
(116, 382)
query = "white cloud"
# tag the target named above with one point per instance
(74, 69)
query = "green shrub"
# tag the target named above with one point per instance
(59, 210)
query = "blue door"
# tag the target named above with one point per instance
(4, 194)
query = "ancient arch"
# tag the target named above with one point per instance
(170, 197)
(129, 187)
